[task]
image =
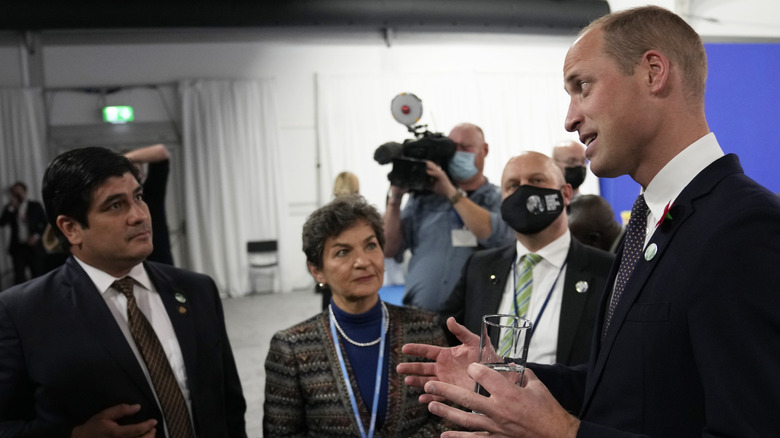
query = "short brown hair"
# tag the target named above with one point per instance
(334, 218)
(629, 34)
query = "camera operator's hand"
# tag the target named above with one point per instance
(441, 182)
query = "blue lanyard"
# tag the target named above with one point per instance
(546, 300)
(377, 384)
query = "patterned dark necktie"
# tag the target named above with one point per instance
(174, 407)
(632, 249)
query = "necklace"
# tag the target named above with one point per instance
(361, 344)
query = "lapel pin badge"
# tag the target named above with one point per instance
(651, 251)
(493, 279)
(581, 287)
(180, 298)
(182, 310)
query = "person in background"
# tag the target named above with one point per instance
(592, 222)
(545, 276)
(444, 227)
(109, 344)
(570, 157)
(27, 221)
(154, 165)
(346, 183)
(333, 375)
(688, 326)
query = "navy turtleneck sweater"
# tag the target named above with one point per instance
(365, 327)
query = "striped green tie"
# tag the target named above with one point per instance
(524, 278)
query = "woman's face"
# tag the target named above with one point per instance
(353, 266)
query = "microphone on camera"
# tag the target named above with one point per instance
(387, 152)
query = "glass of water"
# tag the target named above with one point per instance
(503, 346)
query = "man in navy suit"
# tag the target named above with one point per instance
(690, 346)
(27, 221)
(69, 362)
(567, 280)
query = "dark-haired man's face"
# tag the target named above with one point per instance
(119, 235)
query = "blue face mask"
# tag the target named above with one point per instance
(462, 166)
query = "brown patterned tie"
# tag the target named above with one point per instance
(174, 407)
(632, 248)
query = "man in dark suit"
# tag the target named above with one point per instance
(82, 355)
(687, 338)
(567, 280)
(27, 221)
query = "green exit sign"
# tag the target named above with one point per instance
(118, 114)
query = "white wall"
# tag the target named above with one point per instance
(293, 59)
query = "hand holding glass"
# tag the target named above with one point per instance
(503, 346)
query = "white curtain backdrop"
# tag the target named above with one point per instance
(517, 111)
(232, 172)
(22, 154)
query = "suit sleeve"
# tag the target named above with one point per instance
(284, 414)
(235, 404)
(18, 416)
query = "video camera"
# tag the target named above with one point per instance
(409, 167)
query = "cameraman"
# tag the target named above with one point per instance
(445, 227)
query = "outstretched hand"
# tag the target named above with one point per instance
(450, 364)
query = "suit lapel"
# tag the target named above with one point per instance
(178, 305)
(573, 302)
(682, 210)
(87, 301)
(494, 281)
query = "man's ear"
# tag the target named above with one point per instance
(657, 70)
(567, 191)
(319, 277)
(72, 230)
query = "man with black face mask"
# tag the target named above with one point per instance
(569, 156)
(444, 227)
(567, 277)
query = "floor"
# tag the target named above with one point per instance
(251, 322)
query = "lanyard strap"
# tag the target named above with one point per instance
(377, 383)
(546, 300)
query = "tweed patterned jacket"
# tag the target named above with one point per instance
(305, 393)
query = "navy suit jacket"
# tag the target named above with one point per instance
(63, 357)
(692, 348)
(483, 281)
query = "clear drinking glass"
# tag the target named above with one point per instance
(503, 346)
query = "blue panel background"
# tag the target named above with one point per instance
(742, 105)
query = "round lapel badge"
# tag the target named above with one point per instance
(581, 287)
(651, 251)
(180, 298)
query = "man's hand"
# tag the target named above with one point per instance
(104, 424)
(510, 411)
(450, 363)
(441, 182)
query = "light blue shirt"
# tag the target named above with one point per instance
(427, 222)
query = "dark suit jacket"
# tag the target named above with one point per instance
(36, 222)
(63, 357)
(692, 349)
(478, 294)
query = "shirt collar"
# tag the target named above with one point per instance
(678, 173)
(103, 281)
(554, 252)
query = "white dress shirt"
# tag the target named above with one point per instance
(544, 343)
(151, 305)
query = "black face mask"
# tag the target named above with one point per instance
(575, 175)
(531, 209)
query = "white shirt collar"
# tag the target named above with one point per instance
(678, 173)
(103, 281)
(554, 252)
